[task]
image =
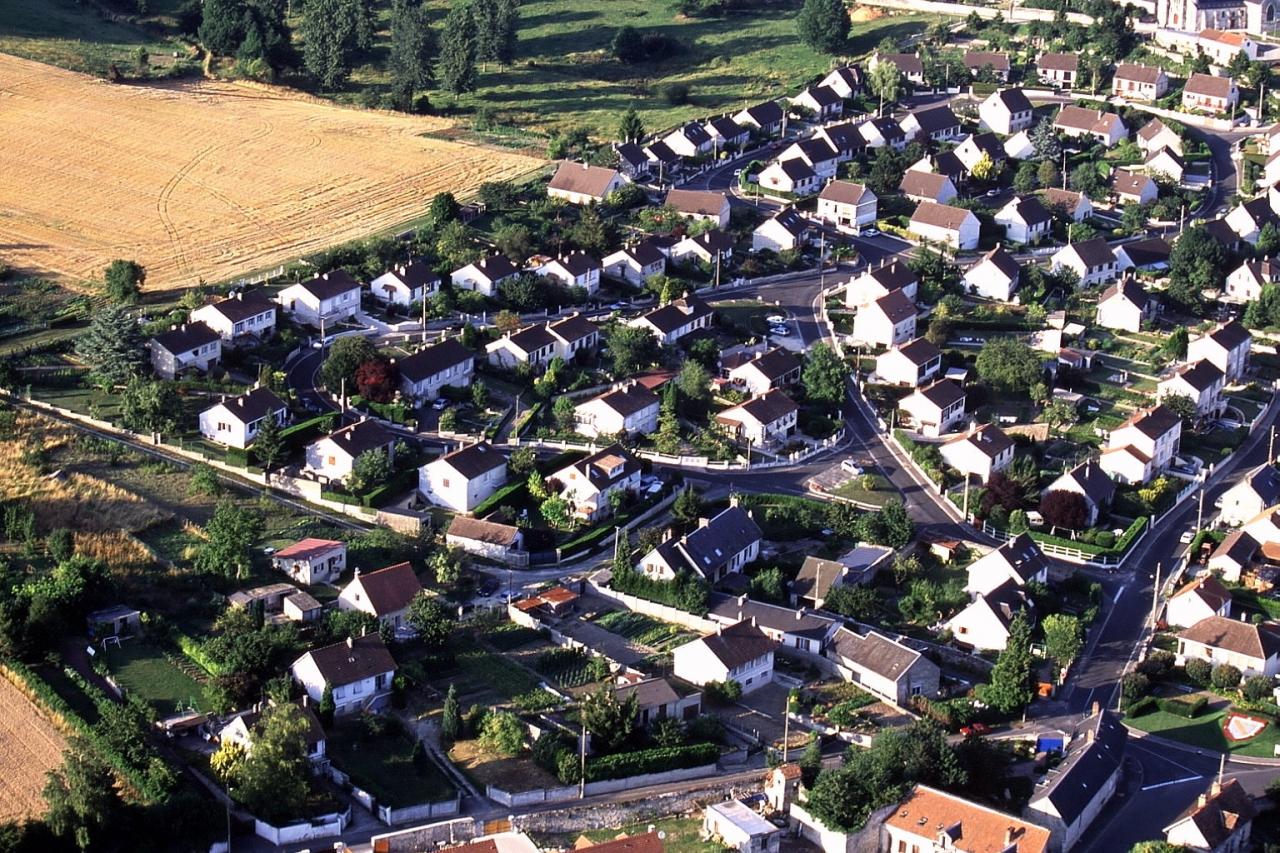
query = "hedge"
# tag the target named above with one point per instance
(399, 481)
(527, 420)
(299, 434)
(193, 649)
(1145, 705)
(1182, 707)
(340, 497)
(1121, 546)
(498, 498)
(625, 764)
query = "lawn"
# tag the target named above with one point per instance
(71, 35)
(1205, 731)
(852, 489)
(642, 629)
(747, 314)
(479, 673)
(384, 767)
(144, 671)
(682, 835)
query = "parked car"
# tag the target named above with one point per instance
(975, 730)
(870, 231)
(851, 467)
(780, 331)
(776, 319)
(440, 404)
(488, 587)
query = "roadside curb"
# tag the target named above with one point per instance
(1182, 747)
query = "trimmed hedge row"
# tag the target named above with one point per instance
(498, 498)
(399, 481)
(625, 764)
(1121, 546)
(193, 649)
(1182, 707)
(1145, 705)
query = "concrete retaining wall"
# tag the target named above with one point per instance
(657, 611)
(422, 811)
(605, 786)
(323, 827)
(426, 837)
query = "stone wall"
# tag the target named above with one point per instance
(567, 818)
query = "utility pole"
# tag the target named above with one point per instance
(967, 480)
(1271, 447)
(1155, 595)
(822, 259)
(582, 762)
(717, 284)
(1200, 510)
(424, 318)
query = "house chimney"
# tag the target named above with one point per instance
(1202, 800)
(1096, 709)
(1088, 736)
(733, 500)
(742, 599)
(799, 613)
(719, 628)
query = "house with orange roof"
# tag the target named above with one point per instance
(933, 821)
(1203, 597)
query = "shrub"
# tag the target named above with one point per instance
(1157, 665)
(1224, 676)
(675, 94)
(1198, 671)
(623, 764)
(1188, 708)
(722, 692)
(1145, 705)
(1257, 688)
(1134, 686)
(706, 729)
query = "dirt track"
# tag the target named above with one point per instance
(203, 179)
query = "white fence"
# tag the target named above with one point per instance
(325, 826)
(422, 811)
(604, 786)
(698, 462)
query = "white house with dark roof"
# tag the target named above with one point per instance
(329, 298)
(1090, 482)
(671, 322)
(574, 335)
(767, 117)
(765, 371)
(425, 373)
(1139, 82)
(1249, 218)
(919, 185)
(845, 204)
(740, 653)
(357, 670)
(1235, 553)
(996, 276)
(1200, 599)
(761, 421)
(1019, 146)
(1246, 281)
(1164, 162)
(582, 183)
(872, 283)
(978, 61)
(331, 457)
(821, 156)
(726, 133)
(1006, 112)
(1099, 125)
(882, 666)
(1091, 260)
(636, 264)
(1075, 206)
(1142, 446)
(689, 140)
(464, 478)
(661, 157)
(940, 223)
(1200, 382)
(785, 231)
(191, 346)
(844, 137)
(882, 131)
(1259, 489)
(384, 594)
(312, 560)
(975, 146)
(484, 275)
(632, 161)
(1058, 68)
(937, 124)
(576, 269)
(824, 102)
(1252, 649)
(1155, 135)
(588, 483)
(935, 409)
(797, 629)
(629, 410)
(887, 321)
(846, 81)
(1220, 820)
(909, 65)
(405, 284)
(984, 623)
(1151, 253)
(1210, 94)
(1019, 560)
(532, 345)
(719, 546)
(1226, 346)
(701, 205)
(657, 700)
(1072, 795)
(911, 364)
(1129, 187)
(980, 452)
(241, 315)
(709, 247)
(1124, 305)
(791, 175)
(235, 422)
(501, 542)
(1025, 219)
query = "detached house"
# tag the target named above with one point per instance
(1246, 281)
(330, 459)
(792, 175)
(1156, 135)
(980, 453)
(385, 594)
(1210, 94)
(923, 186)
(532, 345)
(328, 298)
(1058, 69)
(239, 316)
(884, 667)
(1226, 346)
(935, 409)
(1072, 796)
(589, 483)
(577, 269)
(1019, 560)
(1164, 162)
(191, 346)
(739, 653)
(766, 371)
(636, 264)
(975, 146)
(1104, 127)
(632, 161)
(726, 133)
(1090, 482)
(311, 561)
(821, 156)
(882, 131)
(984, 624)
(824, 102)
(933, 821)
(938, 124)
(908, 64)
(1248, 219)
(1131, 188)
(1142, 446)
(1220, 820)
(719, 546)
(243, 727)
(1200, 382)
(1025, 219)
(671, 322)
(1202, 598)
(700, 205)
(709, 247)
(952, 226)
(424, 375)
(889, 320)
(911, 364)
(845, 138)
(1259, 489)
(845, 204)
(996, 276)
(1006, 112)
(501, 542)
(785, 231)
(628, 410)
(871, 284)
(761, 421)
(581, 183)
(1252, 649)
(1150, 254)
(484, 275)
(1075, 206)
(357, 670)
(405, 284)
(464, 478)
(766, 118)
(236, 422)
(690, 140)
(846, 81)
(1124, 305)
(1140, 82)
(1091, 260)
(979, 61)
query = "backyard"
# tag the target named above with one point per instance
(681, 835)
(147, 672)
(486, 768)
(384, 766)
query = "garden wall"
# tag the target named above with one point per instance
(422, 811)
(321, 827)
(604, 786)
(571, 818)
(426, 837)
(658, 611)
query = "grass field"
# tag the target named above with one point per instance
(682, 835)
(1205, 731)
(71, 35)
(644, 630)
(29, 746)
(383, 766)
(202, 180)
(144, 671)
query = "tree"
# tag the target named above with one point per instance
(443, 210)
(377, 380)
(564, 413)
(1009, 365)
(502, 732)
(456, 64)
(411, 50)
(984, 169)
(450, 717)
(507, 31)
(61, 544)
(480, 394)
(80, 796)
(687, 507)
(769, 585)
(268, 445)
(1157, 847)
(824, 376)
(1198, 262)
(1010, 689)
(1047, 174)
(514, 240)
(628, 48)
(123, 281)
(610, 721)
(327, 707)
(221, 26)
(344, 359)
(1065, 509)
(431, 620)
(631, 349)
(1199, 671)
(556, 512)
(1085, 179)
(885, 82)
(227, 761)
(1225, 677)
(630, 127)
(1268, 241)
(231, 533)
(1182, 406)
(824, 25)
(857, 602)
(370, 469)
(274, 780)
(1025, 180)
(1063, 637)
(1175, 346)
(890, 526)
(150, 406)
(1044, 143)
(694, 382)
(1060, 413)
(112, 346)
(329, 39)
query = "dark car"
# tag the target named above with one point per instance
(488, 587)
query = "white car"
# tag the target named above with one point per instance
(1187, 536)
(440, 404)
(780, 331)
(851, 467)
(776, 319)
(870, 231)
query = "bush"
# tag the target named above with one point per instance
(1134, 686)
(675, 95)
(706, 729)
(683, 592)
(1198, 671)
(1188, 708)
(1157, 665)
(722, 692)
(1257, 688)
(624, 764)
(1224, 676)
(1145, 705)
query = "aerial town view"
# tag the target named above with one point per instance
(640, 426)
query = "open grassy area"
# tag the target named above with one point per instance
(852, 489)
(683, 835)
(1205, 731)
(649, 632)
(481, 675)
(144, 671)
(384, 767)
(73, 35)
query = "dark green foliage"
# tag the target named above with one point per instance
(1225, 677)
(112, 346)
(411, 51)
(123, 281)
(824, 25)
(344, 358)
(431, 619)
(891, 526)
(684, 592)
(824, 376)
(332, 31)
(1198, 671)
(1010, 689)
(631, 349)
(1009, 365)
(147, 407)
(1197, 262)
(61, 544)
(623, 764)
(456, 64)
(231, 533)
(1189, 708)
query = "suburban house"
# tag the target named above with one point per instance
(845, 204)
(1156, 135)
(532, 345)
(1235, 553)
(921, 186)
(405, 284)
(1259, 489)
(330, 459)
(767, 118)
(1149, 254)
(491, 539)
(1105, 127)
(464, 478)
(191, 346)
(859, 567)
(792, 175)
(793, 629)
(484, 275)
(573, 336)
(1073, 794)
(589, 484)
(425, 374)
(661, 155)
(740, 653)
(636, 264)
(1248, 219)
(1220, 820)
(719, 546)
(874, 283)
(1091, 260)
(1019, 146)
(1142, 446)
(357, 670)
(975, 146)
(824, 102)
(1006, 112)
(726, 133)
(844, 137)
(1058, 69)
(700, 205)
(984, 623)
(240, 315)
(243, 726)
(981, 61)
(995, 277)
(1076, 206)
(679, 317)
(577, 269)
(1200, 382)
(1209, 93)
(1140, 82)
(821, 156)
(935, 409)
(953, 226)
(385, 594)
(937, 124)
(1090, 482)
(933, 821)
(980, 453)
(882, 666)
(882, 131)
(737, 827)
(1252, 649)
(761, 421)
(785, 231)
(311, 561)
(1227, 346)
(1246, 281)
(1199, 600)
(1132, 188)
(911, 364)
(944, 163)
(581, 183)
(766, 371)
(1019, 560)
(1025, 219)
(889, 320)
(689, 140)
(629, 410)
(328, 298)
(235, 422)
(1164, 162)
(908, 64)
(632, 161)
(1124, 305)
(846, 81)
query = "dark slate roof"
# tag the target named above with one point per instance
(888, 128)
(1153, 422)
(575, 327)
(1031, 210)
(1014, 100)
(361, 436)
(254, 405)
(942, 393)
(353, 660)
(796, 169)
(662, 152)
(1094, 252)
(474, 460)
(243, 306)
(988, 438)
(629, 400)
(791, 220)
(415, 274)
(1005, 601)
(768, 407)
(815, 149)
(186, 337)
(1024, 556)
(895, 275)
(816, 577)
(726, 127)
(677, 313)
(1149, 252)
(330, 284)
(696, 133)
(990, 145)
(874, 652)
(724, 535)
(390, 589)
(579, 263)
(1003, 261)
(738, 644)
(596, 467)
(1226, 811)
(1201, 375)
(800, 623)
(533, 338)
(936, 119)
(775, 364)
(632, 154)
(645, 252)
(1129, 289)
(1086, 768)
(1238, 547)
(715, 241)
(433, 359)
(650, 693)
(920, 351)
(896, 306)
(1093, 482)
(1229, 335)
(1265, 482)
(947, 163)
(845, 136)
(496, 267)
(825, 96)
(765, 113)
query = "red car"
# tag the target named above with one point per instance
(975, 729)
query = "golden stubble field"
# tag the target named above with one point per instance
(204, 179)
(29, 746)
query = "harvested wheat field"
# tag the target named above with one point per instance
(29, 746)
(203, 179)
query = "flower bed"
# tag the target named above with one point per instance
(1237, 727)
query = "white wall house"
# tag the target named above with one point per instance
(1091, 260)
(740, 653)
(935, 409)
(888, 321)
(912, 364)
(1025, 219)
(761, 421)
(330, 459)
(1144, 445)
(1226, 346)
(719, 546)
(235, 422)
(328, 298)
(240, 316)
(189, 347)
(996, 276)
(629, 410)
(635, 264)
(358, 670)
(1253, 649)
(1259, 489)
(981, 452)
(671, 322)
(580, 183)
(1202, 598)
(577, 269)
(405, 284)
(385, 594)
(311, 560)
(1019, 560)
(484, 275)
(464, 478)
(426, 373)
(1099, 125)
(1246, 281)
(785, 231)
(791, 175)
(1124, 306)
(700, 205)
(1200, 382)
(589, 483)
(845, 204)
(950, 226)
(1006, 112)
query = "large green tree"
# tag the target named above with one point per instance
(123, 280)
(824, 376)
(1009, 365)
(1011, 689)
(885, 82)
(231, 533)
(431, 619)
(112, 346)
(1197, 263)
(345, 357)
(275, 777)
(268, 444)
(1063, 637)
(81, 798)
(411, 51)
(824, 25)
(149, 406)
(456, 65)
(631, 348)
(609, 720)
(330, 34)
